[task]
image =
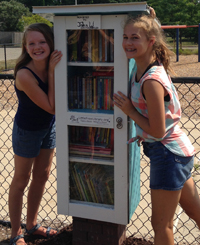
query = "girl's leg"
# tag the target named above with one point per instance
(164, 205)
(19, 182)
(41, 170)
(190, 201)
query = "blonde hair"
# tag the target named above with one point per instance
(152, 28)
(47, 32)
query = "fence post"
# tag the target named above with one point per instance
(177, 44)
(5, 56)
(199, 43)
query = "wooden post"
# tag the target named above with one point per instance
(90, 232)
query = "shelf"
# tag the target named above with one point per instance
(92, 111)
(99, 205)
(101, 161)
(74, 63)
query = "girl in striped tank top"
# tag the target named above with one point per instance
(155, 108)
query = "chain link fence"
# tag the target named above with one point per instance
(185, 230)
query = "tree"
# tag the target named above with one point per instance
(178, 12)
(31, 3)
(10, 14)
(28, 20)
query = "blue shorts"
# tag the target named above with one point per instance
(28, 143)
(167, 170)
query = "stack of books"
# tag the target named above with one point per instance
(93, 91)
(90, 45)
(92, 183)
(91, 142)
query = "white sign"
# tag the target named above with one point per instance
(103, 121)
(89, 22)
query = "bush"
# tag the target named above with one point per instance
(35, 18)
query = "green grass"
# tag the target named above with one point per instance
(10, 65)
(186, 51)
(196, 166)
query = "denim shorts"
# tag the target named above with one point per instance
(28, 143)
(167, 170)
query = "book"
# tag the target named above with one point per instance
(90, 92)
(111, 45)
(103, 45)
(75, 93)
(106, 45)
(93, 56)
(95, 92)
(75, 192)
(73, 43)
(70, 93)
(89, 46)
(83, 93)
(92, 194)
(79, 45)
(100, 46)
(78, 187)
(106, 93)
(94, 183)
(96, 45)
(79, 92)
(87, 89)
(84, 49)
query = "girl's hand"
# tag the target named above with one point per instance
(55, 57)
(123, 103)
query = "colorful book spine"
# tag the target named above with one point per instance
(93, 46)
(103, 46)
(95, 92)
(88, 92)
(106, 45)
(79, 45)
(111, 45)
(83, 92)
(100, 46)
(89, 46)
(96, 45)
(75, 93)
(70, 93)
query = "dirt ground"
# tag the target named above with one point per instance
(64, 237)
(188, 66)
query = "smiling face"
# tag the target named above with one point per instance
(135, 43)
(37, 46)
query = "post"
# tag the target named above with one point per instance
(5, 56)
(199, 43)
(177, 44)
(90, 232)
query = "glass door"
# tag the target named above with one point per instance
(90, 90)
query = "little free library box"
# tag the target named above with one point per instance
(98, 173)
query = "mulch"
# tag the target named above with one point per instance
(65, 237)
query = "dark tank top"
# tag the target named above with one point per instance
(29, 116)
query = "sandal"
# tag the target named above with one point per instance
(35, 228)
(15, 239)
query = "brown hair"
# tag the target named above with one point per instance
(47, 32)
(151, 28)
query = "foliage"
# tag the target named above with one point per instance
(30, 3)
(28, 20)
(10, 13)
(170, 12)
(178, 12)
